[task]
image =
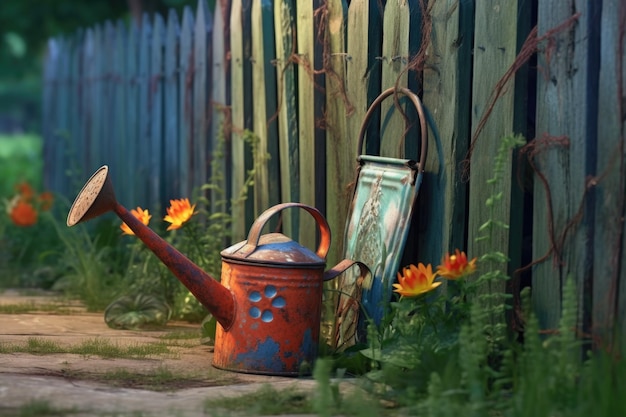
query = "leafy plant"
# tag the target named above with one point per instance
(135, 312)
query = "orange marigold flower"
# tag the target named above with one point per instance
(23, 214)
(416, 280)
(25, 190)
(178, 213)
(45, 200)
(144, 216)
(456, 266)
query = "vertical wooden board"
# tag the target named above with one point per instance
(363, 69)
(562, 106)
(305, 33)
(70, 155)
(156, 115)
(401, 18)
(171, 119)
(185, 104)
(238, 173)
(266, 182)
(51, 93)
(447, 87)
(340, 155)
(58, 99)
(85, 103)
(201, 92)
(241, 83)
(364, 30)
(287, 116)
(107, 116)
(220, 135)
(609, 276)
(95, 99)
(119, 84)
(132, 117)
(141, 159)
(494, 51)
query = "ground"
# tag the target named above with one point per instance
(174, 383)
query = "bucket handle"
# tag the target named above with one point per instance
(420, 113)
(255, 231)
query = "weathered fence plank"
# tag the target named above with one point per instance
(241, 86)
(308, 115)
(565, 105)
(495, 48)
(266, 180)
(339, 146)
(155, 113)
(287, 117)
(401, 39)
(130, 144)
(141, 156)
(220, 115)
(118, 110)
(171, 111)
(609, 271)
(363, 68)
(185, 103)
(201, 154)
(447, 96)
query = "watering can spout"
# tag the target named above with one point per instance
(97, 197)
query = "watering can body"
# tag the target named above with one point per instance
(277, 286)
(268, 303)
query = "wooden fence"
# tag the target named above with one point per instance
(282, 87)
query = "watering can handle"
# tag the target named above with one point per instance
(255, 231)
(420, 113)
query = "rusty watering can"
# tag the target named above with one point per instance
(268, 304)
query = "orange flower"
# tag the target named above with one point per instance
(23, 214)
(456, 266)
(178, 213)
(416, 280)
(45, 200)
(143, 216)
(25, 190)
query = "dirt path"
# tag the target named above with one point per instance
(178, 381)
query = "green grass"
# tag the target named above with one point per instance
(32, 307)
(37, 408)
(20, 160)
(266, 401)
(92, 347)
(161, 379)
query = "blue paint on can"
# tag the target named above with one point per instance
(265, 357)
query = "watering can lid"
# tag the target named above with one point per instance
(274, 249)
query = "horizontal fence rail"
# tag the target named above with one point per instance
(264, 100)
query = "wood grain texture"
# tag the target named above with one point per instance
(185, 103)
(609, 271)
(495, 41)
(266, 181)
(562, 123)
(447, 96)
(306, 116)
(287, 116)
(171, 113)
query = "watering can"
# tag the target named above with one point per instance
(268, 303)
